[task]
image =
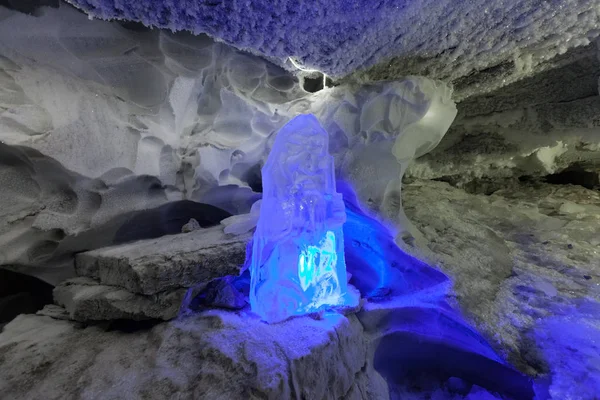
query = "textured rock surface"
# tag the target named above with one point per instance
(191, 226)
(214, 355)
(86, 300)
(174, 261)
(536, 127)
(505, 40)
(48, 211)
(526, 267)
(54, 311)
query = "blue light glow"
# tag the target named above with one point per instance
(317, 269)
(317, 261)
(297, 264)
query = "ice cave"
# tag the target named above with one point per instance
(326, 199)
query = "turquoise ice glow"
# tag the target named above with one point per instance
(316, 268)
(297, 264)
(316, 261)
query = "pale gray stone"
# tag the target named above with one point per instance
(213, 355)
(191, 226)
(520, 257)
(54, 311)
(86, 300)
(169, 262)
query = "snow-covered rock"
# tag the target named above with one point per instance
(526, 273)
(212, 355)
(169, 262)
(544, 125)
(86, 300)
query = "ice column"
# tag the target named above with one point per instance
(297, 264)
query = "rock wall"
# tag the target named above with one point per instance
(541, 126)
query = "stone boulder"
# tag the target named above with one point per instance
(211, 355)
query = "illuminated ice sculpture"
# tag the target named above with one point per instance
(297, 265)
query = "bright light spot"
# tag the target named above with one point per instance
(309, 70)
(317, 262)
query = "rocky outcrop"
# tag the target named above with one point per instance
(212, 355)
(539, 126)
(526, 268)
(150, 279)
(155, 265)
(87, 300)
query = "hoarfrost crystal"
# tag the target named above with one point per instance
(297, 263)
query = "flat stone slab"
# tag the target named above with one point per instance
(54, 311)
(86, 300)
(169, 262)
(216, 355)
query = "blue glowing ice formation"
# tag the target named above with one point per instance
(297, 263)
(415, 329)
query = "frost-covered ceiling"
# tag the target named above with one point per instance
(445, 39)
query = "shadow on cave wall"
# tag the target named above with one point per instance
(21, 294)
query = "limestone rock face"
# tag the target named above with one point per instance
(213, 355)
(86, 300)
(539, 126)
(526, 268)
(155, 265)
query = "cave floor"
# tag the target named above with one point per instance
(525, 262)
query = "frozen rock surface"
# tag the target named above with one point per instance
(525, 263)
(155, 265)
(504, 40)
(213, 355)
(176, 102)
(86, 300)
(47, 210)
(543, 126)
